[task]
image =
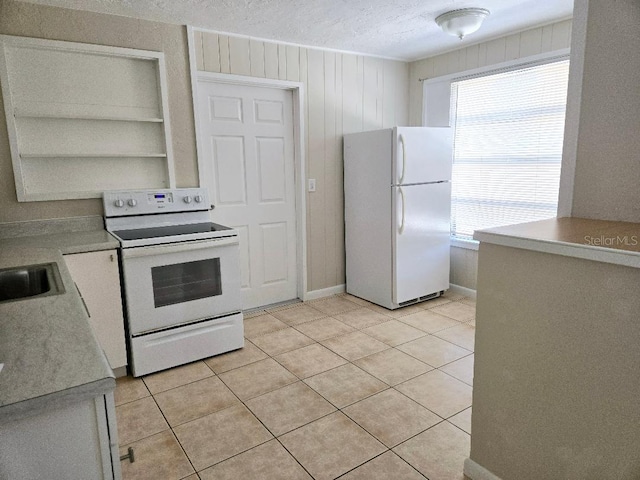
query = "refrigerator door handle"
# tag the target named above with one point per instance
(404, 158)
(401, 227)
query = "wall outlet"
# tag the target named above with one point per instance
(312, 184)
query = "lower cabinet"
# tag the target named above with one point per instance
(97, 277)
(74, 441)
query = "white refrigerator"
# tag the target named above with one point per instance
(397, 188)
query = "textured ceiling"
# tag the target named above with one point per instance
(402, 29)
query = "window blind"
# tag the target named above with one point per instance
(509, 130)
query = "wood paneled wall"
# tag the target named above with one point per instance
(557, 36)
(345, 93)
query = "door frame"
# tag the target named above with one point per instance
(297, 93)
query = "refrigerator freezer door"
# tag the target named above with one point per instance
(422, 155)
(421, 240)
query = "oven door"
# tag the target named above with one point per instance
(174, 284)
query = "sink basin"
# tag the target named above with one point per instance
(30, 281)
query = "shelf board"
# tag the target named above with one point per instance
(93, 155)
(88, 117)
(76, 194)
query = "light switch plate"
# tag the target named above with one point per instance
(312, 184)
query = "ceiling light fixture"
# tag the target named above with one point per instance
(461, 23)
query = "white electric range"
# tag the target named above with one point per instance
(181, 277)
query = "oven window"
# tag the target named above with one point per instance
(184, 282)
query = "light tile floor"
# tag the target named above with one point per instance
(332, 388)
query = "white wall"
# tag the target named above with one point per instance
(557, 36)
(601, 159)
(345, 93)
(555, 392)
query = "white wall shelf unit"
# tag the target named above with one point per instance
(84, 118)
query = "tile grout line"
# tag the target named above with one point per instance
(461, 429)
(388, 450)
(438, 415)
(323, 318)
(131, 401)
(214, 374)
(453, 376)
(352, 403)
(175, 436)
(230, 406)
(456, 360)
(406, 439)
(287, 351)
(399, 383)
(413, 356)
(172, 428)
(293, 456)
(169, 429)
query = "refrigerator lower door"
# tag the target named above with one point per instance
(421, 240)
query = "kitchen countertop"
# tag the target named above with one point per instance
(599, 240)
(50, 354)
(69, 235)
(66, 243)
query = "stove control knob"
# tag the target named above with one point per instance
(119, 203)
(187, 199)
(132, 202)
(198, 198)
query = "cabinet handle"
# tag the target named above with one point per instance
(404, 159)
(129, 455)
(111, 257)
(401, 228)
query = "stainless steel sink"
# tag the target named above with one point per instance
(30, 281)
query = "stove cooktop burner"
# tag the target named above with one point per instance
(169, 231)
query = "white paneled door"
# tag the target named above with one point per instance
(248, 152)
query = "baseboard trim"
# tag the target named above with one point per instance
(467, 292)
(477, 472)
(336, 290)
(325, 292)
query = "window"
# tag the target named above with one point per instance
(509, 129)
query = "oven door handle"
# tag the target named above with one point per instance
(178, 247)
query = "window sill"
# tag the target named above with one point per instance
(467, 244)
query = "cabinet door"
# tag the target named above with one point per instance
(66, 442)
(98, 278)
